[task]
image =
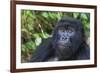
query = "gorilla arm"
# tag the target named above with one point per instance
(43, 51)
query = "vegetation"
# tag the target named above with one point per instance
(36, 25)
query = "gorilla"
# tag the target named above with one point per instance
(68, 42)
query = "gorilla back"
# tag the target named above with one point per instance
(67, 43)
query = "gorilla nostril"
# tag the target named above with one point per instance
(63, 38)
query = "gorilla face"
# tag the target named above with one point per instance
(68, 38)
(64, 36)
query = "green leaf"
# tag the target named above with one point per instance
(75, 15)
(45, 14)
(84, 16)
(38, 41)
(36, 35)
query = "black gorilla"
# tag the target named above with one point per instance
(67, 43)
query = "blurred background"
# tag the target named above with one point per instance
(38, 25)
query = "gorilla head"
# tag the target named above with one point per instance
(67, 38)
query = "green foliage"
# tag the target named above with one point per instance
(36, 25)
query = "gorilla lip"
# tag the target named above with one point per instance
(62, 46)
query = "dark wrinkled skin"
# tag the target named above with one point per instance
(67, 43)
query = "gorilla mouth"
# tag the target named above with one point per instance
(63, 46)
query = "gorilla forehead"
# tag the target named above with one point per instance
(71, 22)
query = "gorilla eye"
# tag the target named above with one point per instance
(62, 29)
(70, 29)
